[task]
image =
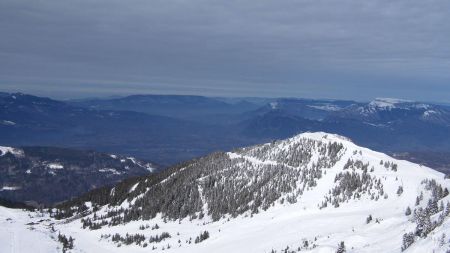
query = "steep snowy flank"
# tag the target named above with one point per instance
(315, 192)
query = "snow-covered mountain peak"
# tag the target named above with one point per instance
(308, 193)
(321, 136)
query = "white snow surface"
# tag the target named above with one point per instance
(280, 226)
(17, 237)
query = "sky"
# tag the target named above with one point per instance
(344, 49)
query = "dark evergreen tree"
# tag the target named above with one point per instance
(203, 236)
(341, 248)
(408, 239)
(408, 211)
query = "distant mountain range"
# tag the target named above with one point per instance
(388, 125)
(169, 129)
(29, 120)
(47, 175)
(183, 107)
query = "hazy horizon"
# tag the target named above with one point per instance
(310, 49)
(106, 96)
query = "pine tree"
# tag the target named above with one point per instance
(442, 240)
(341, 248)
(408, 239)
(408, 211)
(400, 190)
(203, 236)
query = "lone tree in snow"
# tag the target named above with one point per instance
(369, 219)
(408, 211)
(341, 248)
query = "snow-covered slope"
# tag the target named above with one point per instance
(308, 193)
(24, 232)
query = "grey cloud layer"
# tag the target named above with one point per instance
(298, 48)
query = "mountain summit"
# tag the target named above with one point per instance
(314, 192)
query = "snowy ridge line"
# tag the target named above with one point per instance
(172, 175)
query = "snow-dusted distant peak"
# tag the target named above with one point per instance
(394, 100)
(429, 113)
(390, 104)
(274, 105)
(14, 151)
(5, 150)
(387, 103)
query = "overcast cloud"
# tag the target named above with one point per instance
(328, 49)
